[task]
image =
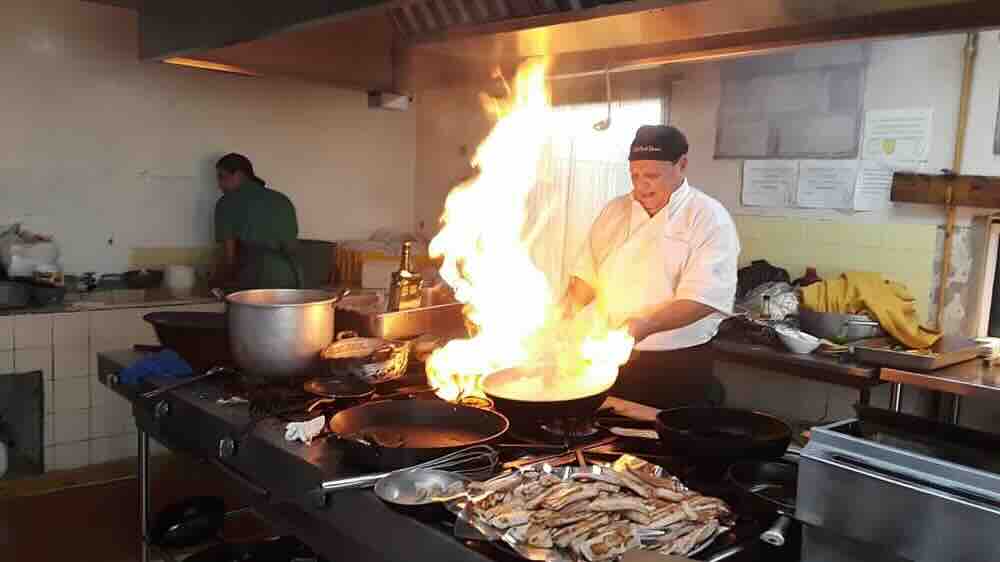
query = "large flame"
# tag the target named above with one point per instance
(487, 261)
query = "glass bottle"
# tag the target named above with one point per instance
(405, 285)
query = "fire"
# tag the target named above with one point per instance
(487, 261)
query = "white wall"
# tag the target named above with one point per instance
(921, 72)
(95, 145)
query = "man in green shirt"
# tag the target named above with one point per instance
(257, 228)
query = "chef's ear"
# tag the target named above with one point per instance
(682, 163)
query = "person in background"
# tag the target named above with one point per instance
(257, 228)
(661, 262)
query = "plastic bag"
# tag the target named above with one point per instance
(22, 252)
(784, 300)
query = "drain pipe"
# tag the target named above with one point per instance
(969, 59)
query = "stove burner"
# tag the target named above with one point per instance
(571, 428)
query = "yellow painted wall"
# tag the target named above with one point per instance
(901, 252)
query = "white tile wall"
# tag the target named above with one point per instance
(6, 333)
(35, 359)
(50, 394)
(68, 362)
(71, 426)
(49, 425)
(6, 362)
(100, 395)
(102, 450)
(71, 330)
(70, 455)
(32, 331)
(124, 446)
(72, 394)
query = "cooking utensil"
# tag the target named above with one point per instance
(419, 486)
(523, 403)
(280, 332)
(476, 463)
(372, 360)
(714, 438)
(188, 522)
(200, 338)
(768, 487)
(143, 278)
(187, 381)
(605, 123)
(839, 328)
(389, 435)
(797, 341)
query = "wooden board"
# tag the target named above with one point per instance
(967, 191)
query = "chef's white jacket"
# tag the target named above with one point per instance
(687, 251)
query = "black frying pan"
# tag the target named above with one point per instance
(722, 436)
(532, 410)
(395, 434)
(768, 488)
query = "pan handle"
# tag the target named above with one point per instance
(775, 536)
(728, 553)
(353, 483)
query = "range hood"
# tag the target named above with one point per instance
(404, 45)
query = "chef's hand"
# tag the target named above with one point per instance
(638, 328)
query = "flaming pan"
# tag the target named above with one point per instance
(527, 394)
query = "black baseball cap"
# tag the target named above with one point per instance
(658, 142)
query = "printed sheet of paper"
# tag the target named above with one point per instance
(874, 185)
(896, 135)
(769, 183)
(826, 184)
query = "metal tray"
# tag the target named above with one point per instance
(949, 350)
(506, 541)
(442, 319)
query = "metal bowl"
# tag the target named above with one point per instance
(839, 328)
(418, 486)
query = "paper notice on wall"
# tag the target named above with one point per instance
(897, 135)
(871, 192)
(826, 184)
(874, 186)
(768, 183)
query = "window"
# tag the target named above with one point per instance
(582, 170)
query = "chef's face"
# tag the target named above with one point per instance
(653, 181)
(228, 181)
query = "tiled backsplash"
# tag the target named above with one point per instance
(84, 423)
(901, 252)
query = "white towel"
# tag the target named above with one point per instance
(305, 431)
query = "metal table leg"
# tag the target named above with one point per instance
(865, 397)
(143, 455)
(896, 397)
(956, 409)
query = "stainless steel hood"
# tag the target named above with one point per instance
(406, 44)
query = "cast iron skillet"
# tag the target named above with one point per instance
(768, 488)
(722, 436)
(396, 434)
(527, 411)
(201, 338)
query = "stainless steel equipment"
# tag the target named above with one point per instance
(893, 487)
(949, 350)
(442, 319)
(280, 332)
(839, 328)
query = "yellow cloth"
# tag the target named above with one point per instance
(889, 302)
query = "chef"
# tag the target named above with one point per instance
(661, 262)
(257, 228)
